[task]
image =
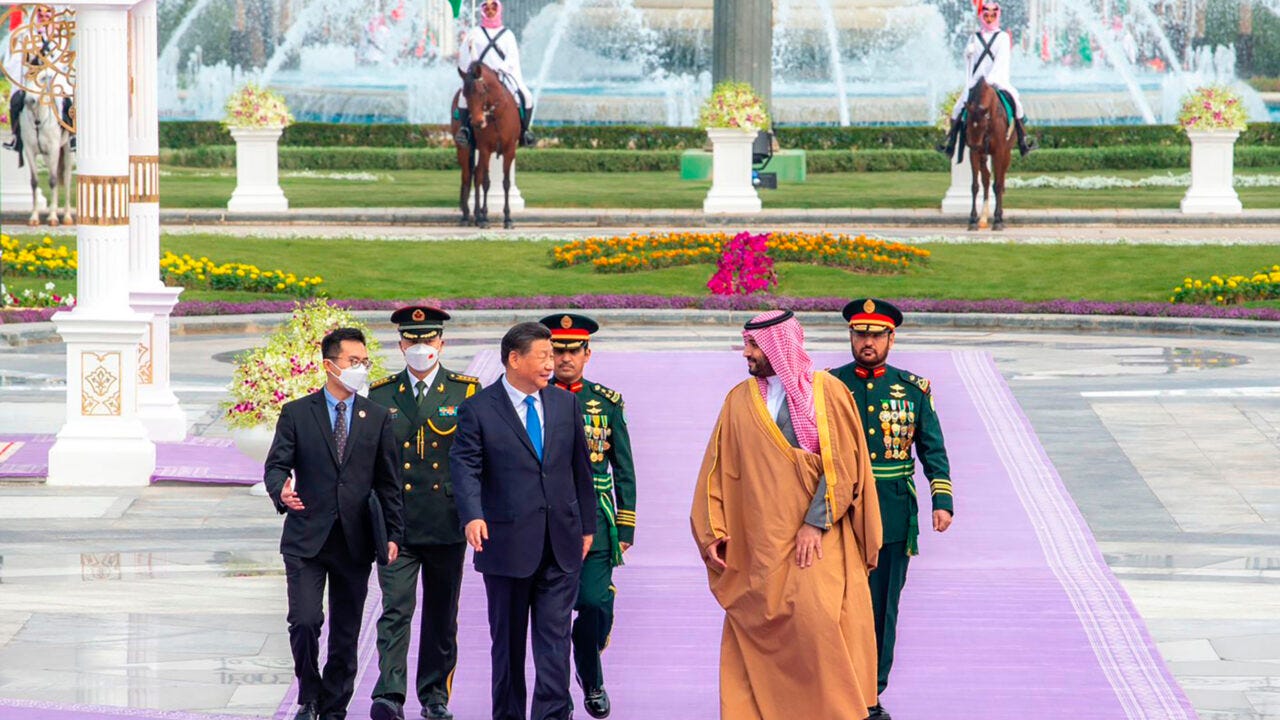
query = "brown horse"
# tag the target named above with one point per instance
(495, 128)
(988, 133)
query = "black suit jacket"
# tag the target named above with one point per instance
(497, 478)
(331, 487)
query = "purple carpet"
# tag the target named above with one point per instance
(1012, 614)
(196, 460)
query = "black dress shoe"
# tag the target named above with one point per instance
(306, 711)
(437, 711)
(878, 713)
(597, 703)
(386, 709)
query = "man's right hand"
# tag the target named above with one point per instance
(477, 532)
(715, 553)
(290, 498)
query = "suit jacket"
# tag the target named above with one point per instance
(331, 487)
(497, 478)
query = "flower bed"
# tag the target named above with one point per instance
(1231, 290)
(652, 251)
(48, 260)
(743, 303)
(30, 299)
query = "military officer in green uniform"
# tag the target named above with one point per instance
(423, 400)
(615, 478)
(898, 416)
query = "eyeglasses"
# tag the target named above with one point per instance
(365, 363)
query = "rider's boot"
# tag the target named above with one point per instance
(464, 137)
(1025, 145)
(527, 138)
(949, 148)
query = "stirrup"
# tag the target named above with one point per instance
(528, 139)
(463, 136)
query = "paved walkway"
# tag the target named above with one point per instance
(171, 598)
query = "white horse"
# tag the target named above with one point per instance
(44, 136)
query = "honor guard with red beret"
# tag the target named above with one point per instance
(423, 400)
(901, 425)
(615, 480)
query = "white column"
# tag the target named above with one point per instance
(157, 405)
(102, 442)
(495, 185)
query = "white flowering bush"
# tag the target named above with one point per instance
(1106, 182)
(289, 365)
(255, 107)
(734, 105)
(1213, 107)
(46, 298)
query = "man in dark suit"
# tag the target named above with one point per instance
(522, 478)
(332, 449)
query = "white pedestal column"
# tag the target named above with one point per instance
(495, 185)
(257, 171)
(15, 182)
(731, 188)
(1212, 173)
(158, 407)
(102, 442)
(959, 197)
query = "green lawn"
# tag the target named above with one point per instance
(445, 269)
(189, 188)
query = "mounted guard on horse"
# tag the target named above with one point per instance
(988, 56)
(494, 45)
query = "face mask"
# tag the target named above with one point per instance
(353, 378)
(420, 357)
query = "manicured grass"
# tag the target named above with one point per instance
(448, 269)
(188, 188)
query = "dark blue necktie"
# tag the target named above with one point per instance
(533, 426)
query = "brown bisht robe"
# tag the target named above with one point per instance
(797, 643)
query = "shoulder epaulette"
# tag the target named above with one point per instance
(609, 394)
(459, 377)
(384, 381)
(916, 380)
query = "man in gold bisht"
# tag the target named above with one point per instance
(788, 523)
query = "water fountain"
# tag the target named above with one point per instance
(649, 61)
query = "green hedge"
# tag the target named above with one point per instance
(346, 158)
(819, 161)
(177, 135)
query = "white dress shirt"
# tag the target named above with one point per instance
(517, 401)
(777, 395)
(429, 379)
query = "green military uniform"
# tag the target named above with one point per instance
(424, 416)
(897, 416)
(615, 479)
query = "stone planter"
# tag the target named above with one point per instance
(257, 171)
(959, 197)
(15, 182)
(731, 188)
(254, 443)
(495, 185)
(1212, 172)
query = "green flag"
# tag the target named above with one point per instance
(457, 7)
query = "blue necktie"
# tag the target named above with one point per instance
(533, 426)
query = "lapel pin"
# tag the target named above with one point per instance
(361, 413)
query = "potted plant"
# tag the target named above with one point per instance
(255, 118)
(287, 367)
(1212, 117)
(732, 117)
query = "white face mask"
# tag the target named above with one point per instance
(353, 378)
(421, 357)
